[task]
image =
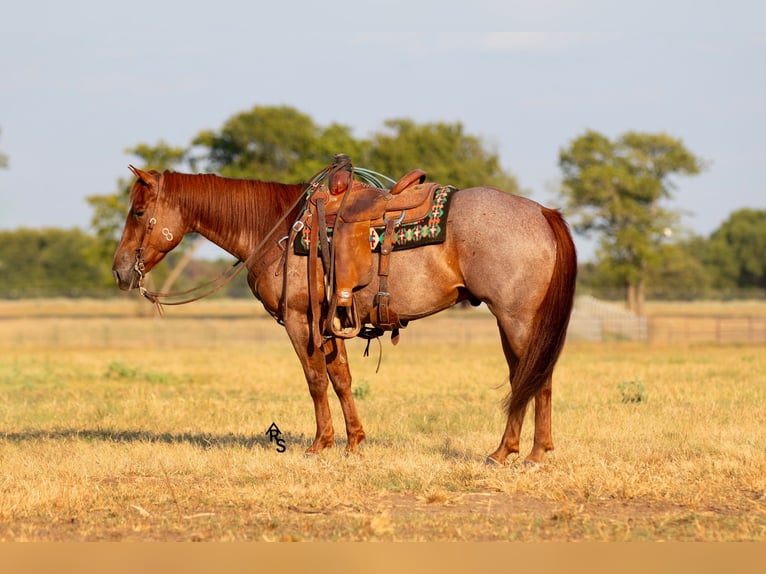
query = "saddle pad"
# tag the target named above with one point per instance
(429, 230)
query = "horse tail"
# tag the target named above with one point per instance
(549, 327)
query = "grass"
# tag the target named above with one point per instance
(157, 432)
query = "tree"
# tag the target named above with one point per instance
(615, 189)
(282, 144)
(272, 144)
(736, 250)
(682, 274)
(44, 262)
(445, 151)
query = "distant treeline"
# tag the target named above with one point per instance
(70, 263)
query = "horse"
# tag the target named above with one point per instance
(506, 251)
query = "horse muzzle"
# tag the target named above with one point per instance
(126, 279)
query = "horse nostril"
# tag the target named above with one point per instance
(116, 275)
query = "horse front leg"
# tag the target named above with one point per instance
(315, 369)
(325, 434)
(340, 375)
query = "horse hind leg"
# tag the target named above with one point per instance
(510, 442)
(543, 437)
(543, 440)
(340, 376)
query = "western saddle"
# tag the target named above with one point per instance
(350, 209)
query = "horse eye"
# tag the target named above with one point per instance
(138, 212)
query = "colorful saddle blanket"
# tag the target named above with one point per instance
(428, 230)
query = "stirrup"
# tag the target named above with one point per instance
(343, 321)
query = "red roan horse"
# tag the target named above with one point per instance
(509, 252)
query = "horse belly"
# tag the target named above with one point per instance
(421, 281)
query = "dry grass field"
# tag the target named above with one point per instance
(117, 427)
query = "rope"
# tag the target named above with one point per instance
(374, 178)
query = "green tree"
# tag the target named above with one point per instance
(272, 144)
(45, 262)
(282, 144)
(682, 273)
(444, 151)
(615, 189)
(736, 250)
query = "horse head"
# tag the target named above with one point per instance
(153, 228)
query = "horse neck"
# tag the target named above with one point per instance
(235, 214)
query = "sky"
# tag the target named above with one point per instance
(82, 81)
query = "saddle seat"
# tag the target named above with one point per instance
(367, 203)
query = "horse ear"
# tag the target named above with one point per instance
(142, 175)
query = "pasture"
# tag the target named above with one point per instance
(120, 427)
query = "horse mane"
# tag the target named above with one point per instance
(232, 206)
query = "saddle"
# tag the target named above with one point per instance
(352, 209)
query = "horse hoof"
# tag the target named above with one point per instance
(531, 465)
(489, 461)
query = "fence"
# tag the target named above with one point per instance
(721, 329)
(596, 320)
(106, 323)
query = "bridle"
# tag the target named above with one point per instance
(139, 264)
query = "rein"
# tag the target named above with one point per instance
(201, 291)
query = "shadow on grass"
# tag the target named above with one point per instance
(203, 440)
(451, 453)
(208, 440)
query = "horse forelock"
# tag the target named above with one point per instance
(137, 192)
